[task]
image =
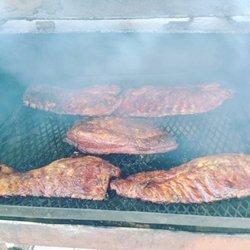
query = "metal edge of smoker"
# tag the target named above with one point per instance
(26, 212)
(18, 17)
(231, 24)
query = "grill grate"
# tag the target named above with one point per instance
(32, 138)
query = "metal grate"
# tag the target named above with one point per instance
(32, 138)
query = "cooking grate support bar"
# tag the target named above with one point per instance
(124, 216)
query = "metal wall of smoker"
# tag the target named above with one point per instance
(50, 17)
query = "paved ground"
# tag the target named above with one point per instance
(88, 237)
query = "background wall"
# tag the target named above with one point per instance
(89, 9)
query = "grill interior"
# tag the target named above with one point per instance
(32, 138)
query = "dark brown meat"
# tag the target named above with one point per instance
(204, 179)
(84, 178)
(118, 135)
(151, 101)
(92, 101)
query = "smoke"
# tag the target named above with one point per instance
(77, 59)
(73, 60)
(128, 59)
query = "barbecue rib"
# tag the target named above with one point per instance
(204, 179)
(92, 101)
(84, 178)
(151, 101)
(119, 135)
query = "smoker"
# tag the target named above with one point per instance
(130, 44)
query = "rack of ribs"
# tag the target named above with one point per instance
(89, 101)
(153, 101)
(204, 179)
(119, 135)
(84, 178)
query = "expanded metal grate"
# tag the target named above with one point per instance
(33, 138)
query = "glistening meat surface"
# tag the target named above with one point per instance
(89, 101)
(153, 101)
(204, 179)
(84, 178)
(119, 135)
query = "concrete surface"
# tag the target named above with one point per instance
(10, 246)
(109, 9)
(56, 16)
(75, 236)
(159, 25)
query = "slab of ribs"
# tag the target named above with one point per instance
(145, 101)
(83, 177)
(119, 135)
(152, 101)
(88, 101)
(204, 179)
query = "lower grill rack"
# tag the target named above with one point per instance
(32, 138)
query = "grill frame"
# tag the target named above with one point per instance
(129, 218)
(129, 211)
